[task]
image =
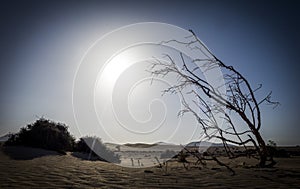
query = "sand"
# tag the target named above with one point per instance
(48, 169)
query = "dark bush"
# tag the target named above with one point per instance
(181, 156)
(95, 147)
(275, 152)
(81, 146)
(45, 134)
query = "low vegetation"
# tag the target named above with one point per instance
(50, 135)
(45, 134)
(95, 148)
(275, 151)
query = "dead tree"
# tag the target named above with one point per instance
(239, 105)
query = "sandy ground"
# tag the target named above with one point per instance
(46, 169)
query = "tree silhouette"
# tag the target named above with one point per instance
(239, 102)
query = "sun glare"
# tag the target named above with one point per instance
(115, 67)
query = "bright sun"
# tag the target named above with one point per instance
(115, 67)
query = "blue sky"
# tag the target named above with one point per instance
(42, 44)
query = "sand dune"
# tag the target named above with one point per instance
(50, 170)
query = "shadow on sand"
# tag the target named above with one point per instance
(26, 153)
(87, 156)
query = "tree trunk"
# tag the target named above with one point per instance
(263, 151)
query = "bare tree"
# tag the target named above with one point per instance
(239, 104)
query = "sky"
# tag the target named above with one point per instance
(42, 45)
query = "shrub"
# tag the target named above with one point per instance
(181, 156)
(45, 134)
(280, 153)
(275, 152)
(95, 147)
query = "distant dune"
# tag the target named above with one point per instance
(204, 144)
(140, 145)
(191, 144)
